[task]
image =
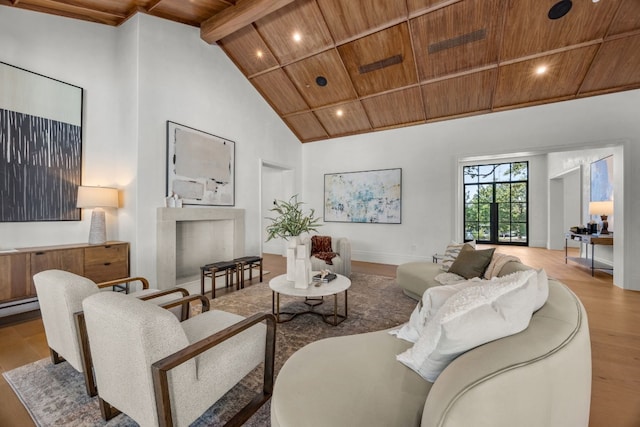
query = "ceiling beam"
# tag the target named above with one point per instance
(235, 17)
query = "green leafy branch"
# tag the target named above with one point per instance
(291, 221)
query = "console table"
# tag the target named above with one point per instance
(588, 239)
(99, 263)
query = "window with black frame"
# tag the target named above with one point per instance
(496, 200)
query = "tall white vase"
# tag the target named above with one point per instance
(291, 258)
(303, 268)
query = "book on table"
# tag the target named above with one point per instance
(326, 279)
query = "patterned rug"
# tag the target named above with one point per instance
(55, 395)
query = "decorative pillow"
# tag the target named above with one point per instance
(432, 299)
(471, 317)
(471, 263)
(452, 251)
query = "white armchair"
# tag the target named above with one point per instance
(159, 371)
(60, 295)
(340, 264)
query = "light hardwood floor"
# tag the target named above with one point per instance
(613, 314)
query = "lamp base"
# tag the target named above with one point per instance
(605, 225)
(98, 231)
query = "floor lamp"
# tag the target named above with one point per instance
(97, 198)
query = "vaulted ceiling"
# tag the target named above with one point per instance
(331, 68)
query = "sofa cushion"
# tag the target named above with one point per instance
(471, 263)
(416, 277)
(473, 316)
(350, 380)
(512, 267)
(452, 251)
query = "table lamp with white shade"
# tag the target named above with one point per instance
(604, 209)
(97, 198)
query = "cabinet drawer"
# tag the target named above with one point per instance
(107, 253)
(106, 262)
(106, 271)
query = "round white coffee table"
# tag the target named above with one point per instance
(313, 296)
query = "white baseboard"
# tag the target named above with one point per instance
(17, 307)
(387, 257)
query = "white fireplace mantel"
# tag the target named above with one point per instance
(167, 219)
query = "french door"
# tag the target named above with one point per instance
(496, 198)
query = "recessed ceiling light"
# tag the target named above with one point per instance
(259, 54)
(297, 37)
(321, 81)
(541, 69)
(560, 9)
(339, 113)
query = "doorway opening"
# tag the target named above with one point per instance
(277, 182)
(496, 203)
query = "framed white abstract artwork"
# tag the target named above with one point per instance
(200, 167)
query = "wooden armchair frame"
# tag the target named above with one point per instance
(161, 368)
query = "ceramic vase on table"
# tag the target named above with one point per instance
(293, 243)
(303, 268)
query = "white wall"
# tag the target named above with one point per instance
(429, 156)
(136, 77)
(82, 54)
(185, 80)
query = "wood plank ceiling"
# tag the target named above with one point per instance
(332, 68)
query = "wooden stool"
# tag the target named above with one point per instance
(212, 270)
(249, 261)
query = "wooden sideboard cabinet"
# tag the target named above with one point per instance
(99, 263)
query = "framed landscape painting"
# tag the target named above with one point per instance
(367, 196)
(40, 147)
(200, 167)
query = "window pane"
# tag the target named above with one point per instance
(484, 231)
(471, 232)
(504, 213)
(471, 212)
(504, 231)
(503, 193)
(486, 193)
(470, 193)
(519, 171)
(519, 212)
(519, 192)
(486, 173)
(470, 174)
(503, 172)
(522, 232)
(484, 214)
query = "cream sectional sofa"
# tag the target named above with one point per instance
(416, 277)
(538, 377)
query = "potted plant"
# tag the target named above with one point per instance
(291, 221)
(289, 224)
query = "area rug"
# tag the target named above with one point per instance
(55, 395)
